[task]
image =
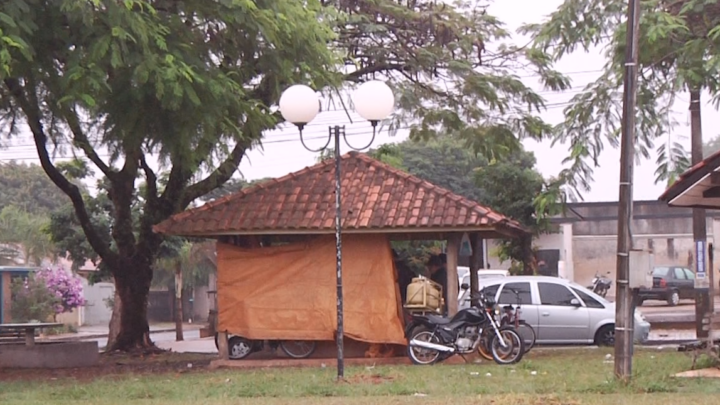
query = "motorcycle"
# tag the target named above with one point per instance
(600, 285)
(434, 338)
(240, 347)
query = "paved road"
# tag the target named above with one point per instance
(661, 312)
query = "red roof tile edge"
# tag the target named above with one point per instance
(680, 184)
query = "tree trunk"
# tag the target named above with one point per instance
(114, 320)
(132, 284)
(178, 303)
(529, 260)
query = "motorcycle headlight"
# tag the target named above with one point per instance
(497, 311)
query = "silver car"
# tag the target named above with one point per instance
(560, 311)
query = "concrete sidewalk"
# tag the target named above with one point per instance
(102, 331)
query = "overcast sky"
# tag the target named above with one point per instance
(282, 152)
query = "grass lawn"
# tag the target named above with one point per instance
(543, 378)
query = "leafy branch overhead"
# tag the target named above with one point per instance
(453, 68)
(678, 52)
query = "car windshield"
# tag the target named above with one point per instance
(660, 272)
(589, 292)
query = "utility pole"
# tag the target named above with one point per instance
(624, 308)
(703, 299)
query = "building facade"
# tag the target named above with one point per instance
(585, 241)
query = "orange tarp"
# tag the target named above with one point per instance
(288, 292)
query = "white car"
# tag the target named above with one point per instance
(560, 311)
(464, 275)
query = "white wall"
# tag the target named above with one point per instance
(96, 311)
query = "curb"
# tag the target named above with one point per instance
(675, 325)
(101, 335)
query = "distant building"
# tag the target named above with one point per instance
(586, 238)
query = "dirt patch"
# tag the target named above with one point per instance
(369, 379)
(117, 365)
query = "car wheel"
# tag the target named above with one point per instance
(239, 347)
(605, 336)
(673, 298)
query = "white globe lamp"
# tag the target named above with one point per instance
(299, 104)
(374, 101)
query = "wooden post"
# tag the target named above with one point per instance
(30, 336)
(453, 245)
(223, 351)
(475, 264)
(178, 303)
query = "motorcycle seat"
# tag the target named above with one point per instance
(508, 307)
(438, 320)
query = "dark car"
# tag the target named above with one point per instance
(670, 284)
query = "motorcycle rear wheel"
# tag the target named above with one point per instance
(298, 349)
(422, 356)
(514, 347)
(484, 347)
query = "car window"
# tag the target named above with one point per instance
(689, 274)
(555, 294)
(589, 301)
(660, 271)
(508, 294)
(679, 273)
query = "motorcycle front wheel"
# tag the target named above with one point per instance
(513, 349)
(420, 355)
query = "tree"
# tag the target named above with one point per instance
(182, 80)
(677, 52)
(511, 187)
(187, 264)
(29, 189)
(26, 233)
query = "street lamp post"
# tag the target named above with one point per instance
(299, 104)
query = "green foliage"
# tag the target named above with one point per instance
(26, 232)
(196, 259)
(677, 52)
(444, 162)
(32, 300)
(28, 188)
(453, 67)
(511, 186)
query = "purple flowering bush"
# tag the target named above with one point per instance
(66, 287)
(44, 294)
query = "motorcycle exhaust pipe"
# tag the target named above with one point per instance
(432, 346)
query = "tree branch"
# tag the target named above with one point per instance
(220, 176)
(31, 108)
(80, 139)
(356, 75)
(151, 194)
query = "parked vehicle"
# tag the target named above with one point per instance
(560, 311)
(464, 275)
(512, 316)
(670, 284)
(240, 347)
(600, 285)
(433, 338)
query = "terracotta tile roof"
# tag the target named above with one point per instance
(691, 176)
(374, 196)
